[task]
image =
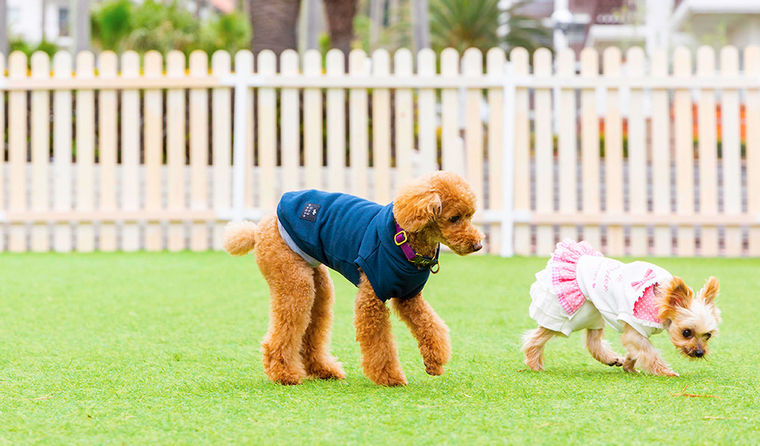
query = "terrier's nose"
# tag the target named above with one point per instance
(699, 353)
(477, 247)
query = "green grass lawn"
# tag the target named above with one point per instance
(164, 348)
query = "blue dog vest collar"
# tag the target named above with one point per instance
(350, 235)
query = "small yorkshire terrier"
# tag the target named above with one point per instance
(581, 289)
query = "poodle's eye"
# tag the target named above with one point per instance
(454, 219)
(707, 336)
(686, 333)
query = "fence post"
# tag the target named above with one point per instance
(508, 162)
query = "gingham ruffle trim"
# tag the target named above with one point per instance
(564, 263)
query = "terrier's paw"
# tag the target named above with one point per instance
(667, 372)
(616, 362)
(434, 369)
(629, 366)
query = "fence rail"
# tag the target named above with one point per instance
(643, 157)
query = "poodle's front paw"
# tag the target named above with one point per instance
(434, 369)
(286, 378)
(326, 370)
(390, 379)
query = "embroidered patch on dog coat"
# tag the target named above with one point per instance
(310, 211)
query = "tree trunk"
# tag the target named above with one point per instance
(274, 24)
(340, 22)
(43, 20)
(421, 25)
(3, 28)
(82, 27)
(376, 13)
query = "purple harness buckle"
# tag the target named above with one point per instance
(417, 260)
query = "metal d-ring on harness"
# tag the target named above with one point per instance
(401, 239)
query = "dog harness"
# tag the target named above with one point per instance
(580, 288)
(347, 233)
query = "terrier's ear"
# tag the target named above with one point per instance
(416, 205)
(710, 291)
(675, 295)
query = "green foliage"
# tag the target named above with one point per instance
(231, 32)
(120, 25)
(462, 24)
(19, 44)
(163, 348)
(524, 31)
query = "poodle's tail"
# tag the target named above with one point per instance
(239, 237)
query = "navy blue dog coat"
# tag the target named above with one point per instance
(347, 233)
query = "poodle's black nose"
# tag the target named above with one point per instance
(477, 247)
(699, 353)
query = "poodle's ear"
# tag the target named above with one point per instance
(416, 205)
(676, 295)
(710, 291)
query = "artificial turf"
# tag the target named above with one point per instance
(164, 348)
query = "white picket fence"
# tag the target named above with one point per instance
(158, 154)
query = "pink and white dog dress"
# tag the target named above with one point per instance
(580, 289)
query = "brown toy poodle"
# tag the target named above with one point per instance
(386, 251)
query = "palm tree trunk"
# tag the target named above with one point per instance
(274, 24)
(340, 22)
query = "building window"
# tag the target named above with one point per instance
(63, 22)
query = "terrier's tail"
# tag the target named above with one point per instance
(239, 237)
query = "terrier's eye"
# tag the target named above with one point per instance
(454, 219)
(686, 333)
(707, 336)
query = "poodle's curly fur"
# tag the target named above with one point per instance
(436, 208)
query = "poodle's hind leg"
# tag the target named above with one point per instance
(428, 329)
(315, 349)
(533, 347)
(291, 287)
(600, 349)
(373, 331)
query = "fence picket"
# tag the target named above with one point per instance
(336, 124)
(732, 194)
(752, 123)
(472, 65)
(153, 111)
(290, 123)
(661, 199)
(85, 134)
(404, 112)
(130, 151)
(590, 146)
(40, 141)
(221, 140)
(519, 58)
(175, 149)
(17, 151)
(544, 149)
(358, 138)
(567, 153)
(708, 153)
(312, 122)
(684, 152)
(613, 152)
(637, 153)
(107, 142)
(426, 123)
(381, 129)
(452, 158)
(244, 64)
(267, 114)
(198, 104)
(62, 138)
(495, 59)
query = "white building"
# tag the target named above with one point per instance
(26, 20)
